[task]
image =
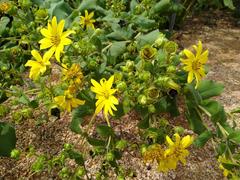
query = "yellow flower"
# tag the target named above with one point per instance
(156, 153)
(177, 150)
(104, 96)
(194, 64)
(55, 37)
(73, 74)
(39, 66)
(87, 20)
(67, 101)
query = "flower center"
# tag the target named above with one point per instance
(106, 94)
(196, 65)
(55, 40)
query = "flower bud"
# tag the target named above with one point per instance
(41, 14)
(171, 69)
(118, 76)
(17, 116)
(121, 145)
(3, 110)
(142, 99)
(161, 81)
(15, 153)
(145, 76)
(67, 147)
(27, 113)
(152, 92)
(110, 156)
(170, 47)
(148, 52)
(122, 86)
(151, 108)
(179, 129)
(130, 65)
(160, 40)
(92, 65)
(80, 172)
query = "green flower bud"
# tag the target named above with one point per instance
(171, 69)
(121, 145)
(142, 99)
(64, 173)
(179, 129)
(170, 47)
(122, 86)
(4, 68)
(80, 172)
(120, 177)
(163, 122)
(161, 81)
(41, 14)
(152, 92)
(27, 113)
(132, 47)
(92, 65)
(118, 76)
(160, 40)
(17, 116)
(151, 108)
(148, 52)
(15, 153)
(4, 110)
(130, 65)
(110, 156)
(145, 76)
(67, 147)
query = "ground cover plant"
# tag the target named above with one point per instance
(98, 61)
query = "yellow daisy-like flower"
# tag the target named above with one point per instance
(40, 65)
(4, 6)
(67, 101)
(87, 20)
(55, 38)
(177, 150)
(74, 74)
(194, 64)
(104, 96)
(223, 159)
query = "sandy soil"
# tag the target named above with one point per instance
(221, 37)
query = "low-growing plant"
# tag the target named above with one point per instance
(103, 60)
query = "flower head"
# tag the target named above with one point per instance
(148, 52)
(4, 6)
(55, 38)
(194, 64)
(74, 75)
(39, 66)
(222, 160)
(104, 95)
(177, 150)
(87, 20)
(67, 101)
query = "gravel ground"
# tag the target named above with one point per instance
(221, 37)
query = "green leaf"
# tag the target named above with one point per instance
(215, 109)
(149, 38)
(77, 117)
(160, 7)
(96, 142)
(87, 4)
(162, 105)
(229, 4)
(4, 22)
(192, 95)
(235, 136)
(209, 88)
(77, 157)
(143, 22)
(117, 48)
(104, 131)
(194, 119)
(7, 139)
(144, 123)
(202, 139)
(121, 34)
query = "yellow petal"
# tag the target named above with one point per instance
(177, 138)
(91, 15)
(203, 57)
(54, 25)
(99, 107)
(45, 43)
(36, 55)
(45, 33)
(190, 77)
(60, 27)
(110, 82)
(67, 33)
(66, 41)
(169, 141)
(189, 54)
(186, 141)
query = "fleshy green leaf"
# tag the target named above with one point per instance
(209, 88)
(202, 139)
(229, 4)
(104, 131)
(7, 139)
(235, 136)
(4, 22)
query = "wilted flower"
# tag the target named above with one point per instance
(148, 52)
